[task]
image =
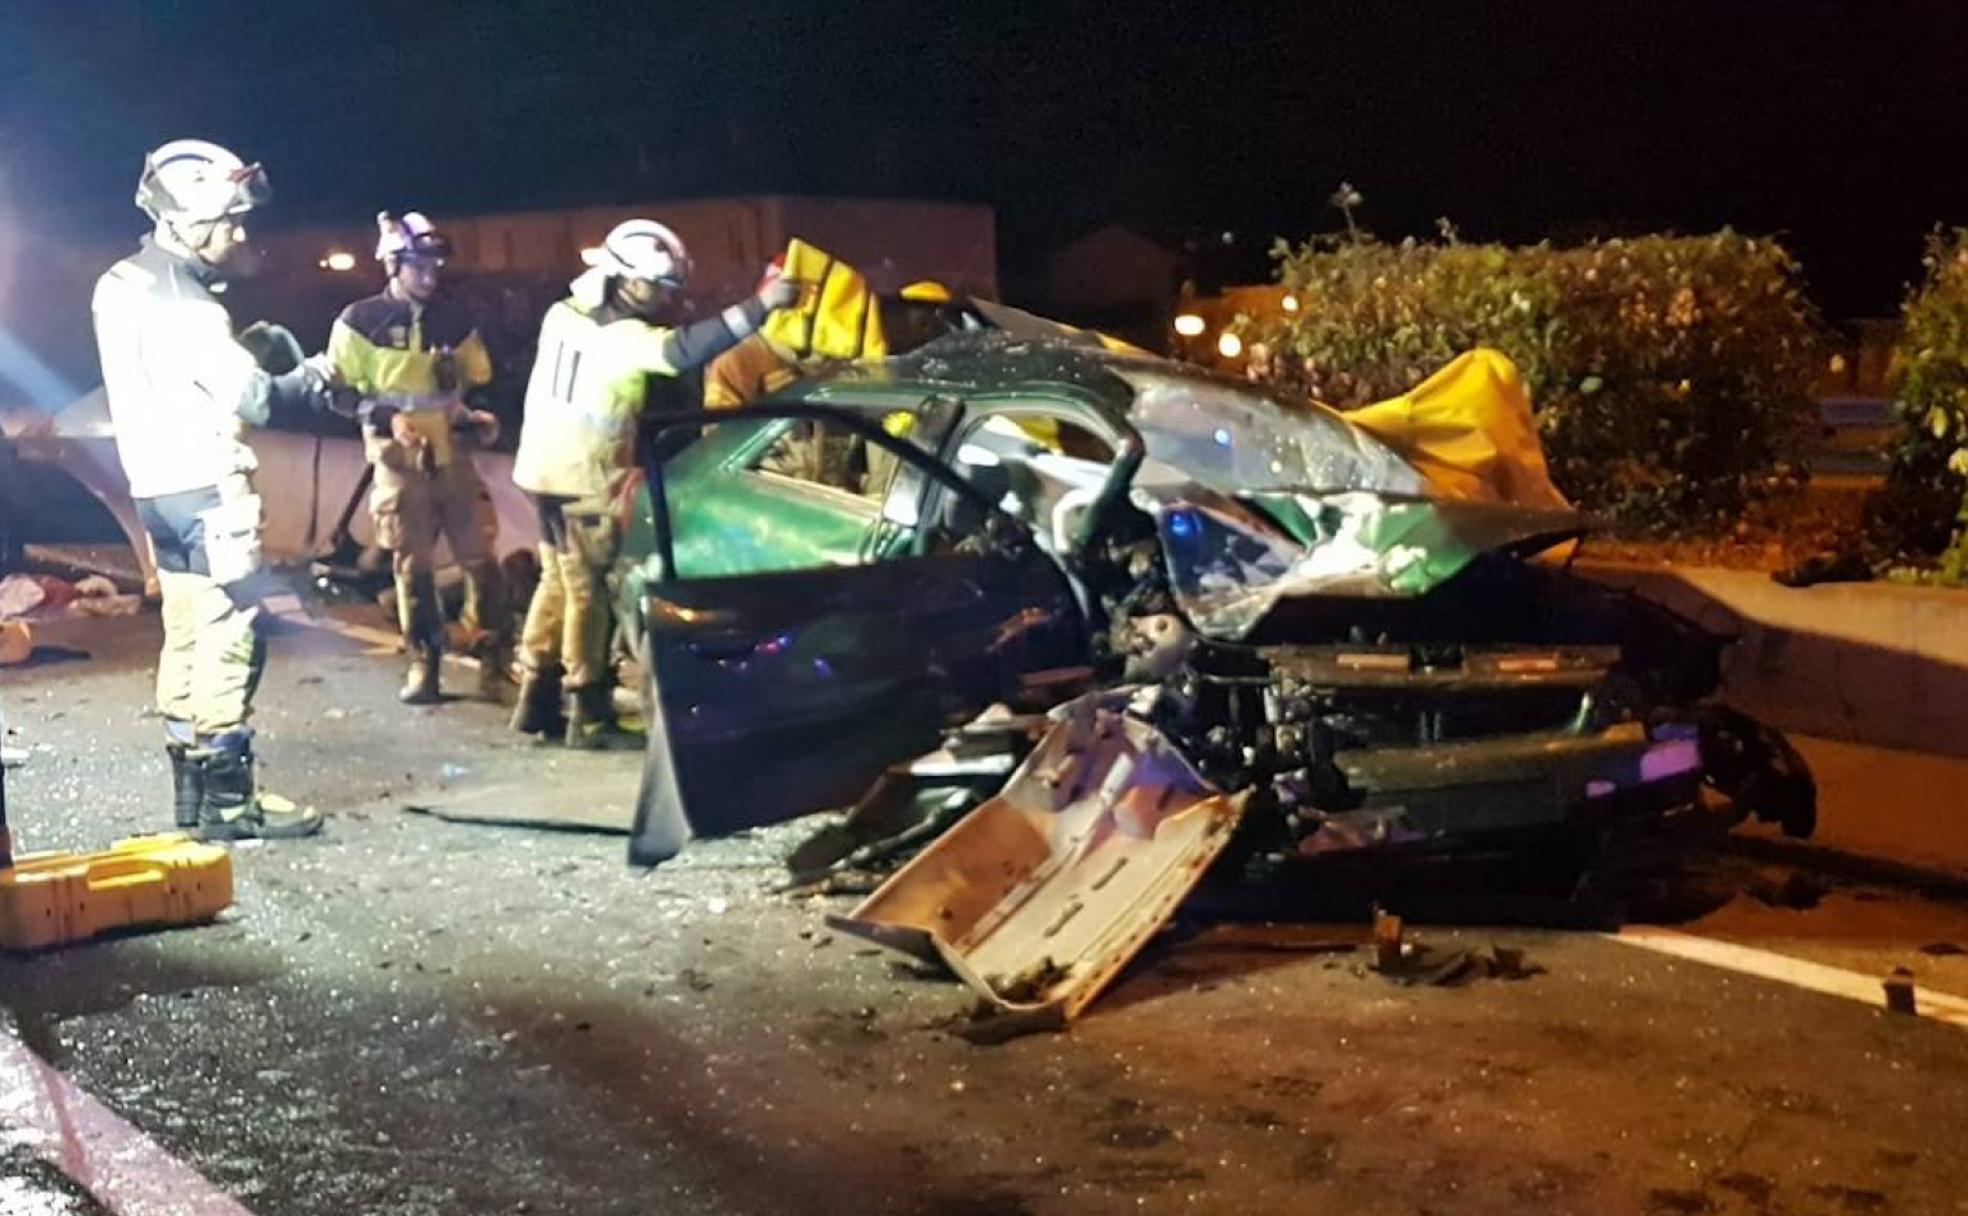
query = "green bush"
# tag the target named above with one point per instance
(1923, 512)
(1672, 375)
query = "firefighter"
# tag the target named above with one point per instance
(422, 370)
(597, 348)
(764, 363)
(182, 391)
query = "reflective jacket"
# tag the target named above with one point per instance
(406, 357)
(181, 389)
(589, 383)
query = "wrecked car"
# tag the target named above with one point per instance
(1232, 604)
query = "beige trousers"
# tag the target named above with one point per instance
(213, 654)
(412, 510)
(567, 624)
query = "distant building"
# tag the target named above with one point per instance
(892, 241)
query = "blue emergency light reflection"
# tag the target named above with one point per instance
(33, 377)
(1183, 524)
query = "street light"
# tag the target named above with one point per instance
(1289, 303)
(1189, 325)
(1229, 345)
(338, 260)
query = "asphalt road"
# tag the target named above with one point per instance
(410, 1016)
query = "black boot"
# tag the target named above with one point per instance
(187, 785)
(591, 718)
(234, 808)
(538, 709)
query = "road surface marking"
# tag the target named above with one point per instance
(1782, 968)
(122, 1169)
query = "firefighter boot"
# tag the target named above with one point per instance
(187, 777)
(495, 682)
(487, 616)
(420, 684)
(591, 718)
(233, 807)
(187, 785)
(537, 711)
(423, 635)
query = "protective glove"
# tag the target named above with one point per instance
(483, 426)
(344, 402)
(273, 347)
(778, 292)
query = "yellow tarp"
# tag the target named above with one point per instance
(836, 317)
(1468, 428)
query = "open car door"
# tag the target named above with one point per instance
(771, 695)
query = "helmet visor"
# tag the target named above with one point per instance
(426, 247)
(250, 189)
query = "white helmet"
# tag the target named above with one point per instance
(412, 236)
(192, 181)
(641, 249)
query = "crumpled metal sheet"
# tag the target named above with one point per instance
(1040, 896)
(1231, 560)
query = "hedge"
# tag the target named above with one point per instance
(1672, 375)
(1923, 512)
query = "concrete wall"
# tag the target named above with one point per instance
(1866, 662)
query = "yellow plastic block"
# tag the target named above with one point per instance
(51, 899)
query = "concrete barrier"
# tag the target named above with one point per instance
(1872, 663)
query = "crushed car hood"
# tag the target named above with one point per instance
(1232, 559)
(1259, 499)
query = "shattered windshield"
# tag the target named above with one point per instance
(1237, 439)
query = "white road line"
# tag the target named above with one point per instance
(1783, 969)
(124, 1170)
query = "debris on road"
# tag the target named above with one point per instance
(988, 1024)
(1388, 946)
(22, 594)
(1040, 896)
(25, 597)
(1410, 963)
(1899, 992)
(16, 642)
(1782, 887)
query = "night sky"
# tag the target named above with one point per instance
(1842, 126)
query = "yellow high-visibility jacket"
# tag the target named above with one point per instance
(837, 316)
(400, 354)
(588, 385)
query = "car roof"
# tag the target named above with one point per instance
(997, 362)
